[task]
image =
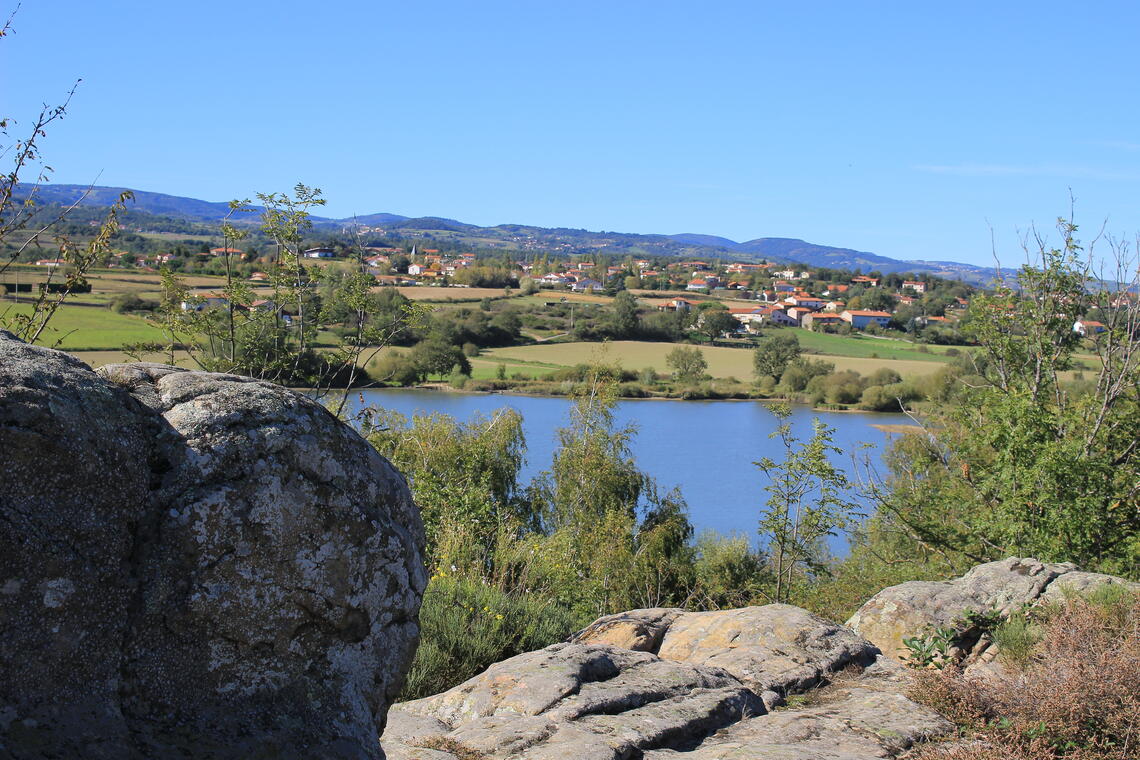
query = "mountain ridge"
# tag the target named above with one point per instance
(551, 240)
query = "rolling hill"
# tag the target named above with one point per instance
(555, 241)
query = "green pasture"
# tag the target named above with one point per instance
(76, 327)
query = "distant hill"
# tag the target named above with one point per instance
(152, 203)
(555, 241)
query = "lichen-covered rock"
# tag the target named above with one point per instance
(75, 463)
(597, 702)
(1001, 587)
(213, 568)
(641, 630)
(281, 590)
(583, 701)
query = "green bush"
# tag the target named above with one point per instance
(128, 302)
(466, 626)
(728, 572)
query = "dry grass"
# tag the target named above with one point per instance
(1077, 697)
(99, 358)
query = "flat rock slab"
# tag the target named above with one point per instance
(575, 700)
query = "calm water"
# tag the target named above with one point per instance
(705, 447)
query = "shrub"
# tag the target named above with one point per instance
(728, 572)
(127, 302)
(395, 367)
(1073, 695)
(467, 626)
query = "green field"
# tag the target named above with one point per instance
(96, 328)
(636, 355)
(859, 345)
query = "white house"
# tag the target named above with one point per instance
(586, 284)
(1085, 327)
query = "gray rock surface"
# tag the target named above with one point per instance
(776, 647)
(856, 723)
(697, 697)
(1080, 582)
(194, 565)
(1002, 587)
(577, 700)
(775, 650)
(605, 703)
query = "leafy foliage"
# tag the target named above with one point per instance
(688, 364)
(775, 354)
(1024, 461)
(808, 500)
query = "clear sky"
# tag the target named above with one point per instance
(897, 128)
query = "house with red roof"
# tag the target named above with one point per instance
(1086, 327)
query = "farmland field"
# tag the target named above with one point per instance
(75, 327)
(420, 293)
(635, 355)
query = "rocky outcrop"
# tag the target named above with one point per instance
(194, 565)
(579, 700)
(852, 723)
(660, 682)
(1001, 588)
(747, 684)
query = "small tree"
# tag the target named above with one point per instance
(624, 322)
(717, 322)
(773, 355)
(807, 501)
(688, 363)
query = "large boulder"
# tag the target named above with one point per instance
(999, 588)
(219, 566)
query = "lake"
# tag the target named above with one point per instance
(705, 447)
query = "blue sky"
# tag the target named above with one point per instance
(898, 128)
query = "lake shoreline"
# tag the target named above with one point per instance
(444, 388)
